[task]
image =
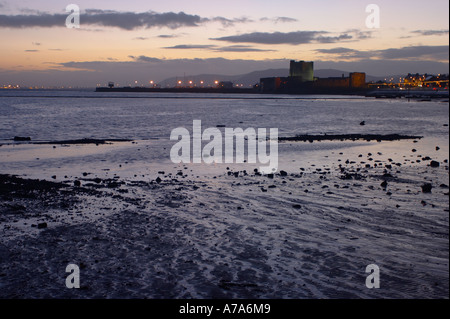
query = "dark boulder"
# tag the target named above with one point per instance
(427, 187)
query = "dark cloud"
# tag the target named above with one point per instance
(36, 43)
(294, 38)
(168, 36)
(110, 18)
(31, 50)
(34, 20)
(140, 38)
(143, 58)
(133, 20)
(437, 53)
(215, 48)
(278, 19)
(299, 37)
(430, 32)
(360, 35)
(284, 20)
(337, 51)
(227, 22)
(191, 46)
(240, 48)
(340, 38)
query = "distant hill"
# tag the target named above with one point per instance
(246, 80)
(251, 78)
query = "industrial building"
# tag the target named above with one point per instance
(303, 71)
(355, 80)
(301, 80)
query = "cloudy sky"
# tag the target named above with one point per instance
(142, 40)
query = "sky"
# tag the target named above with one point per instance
(136, 41)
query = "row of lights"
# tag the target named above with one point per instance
(192, 82)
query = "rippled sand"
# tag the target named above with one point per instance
(220, 232)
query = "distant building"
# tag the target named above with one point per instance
(302, 70)
(111, 84)
(301, 80)
(299, 73)
(225, 85)
(355, 80)
(268, 85)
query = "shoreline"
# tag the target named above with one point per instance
(180, 234)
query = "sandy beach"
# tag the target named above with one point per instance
(226, 231)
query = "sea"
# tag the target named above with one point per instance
(149, 118)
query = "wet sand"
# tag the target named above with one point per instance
(187, 231)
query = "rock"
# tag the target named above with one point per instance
(384, 184)
(362, 123)
(437, 148)
(283, 173)
(434, 164)
(270, 175)
(77, 183)
(297, 206)
(21, 139)
(427, 187)
(158, 180)
(42, 225)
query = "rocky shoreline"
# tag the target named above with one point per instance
(308, 233)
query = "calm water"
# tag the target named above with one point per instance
(58, 115)
(149, 118)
